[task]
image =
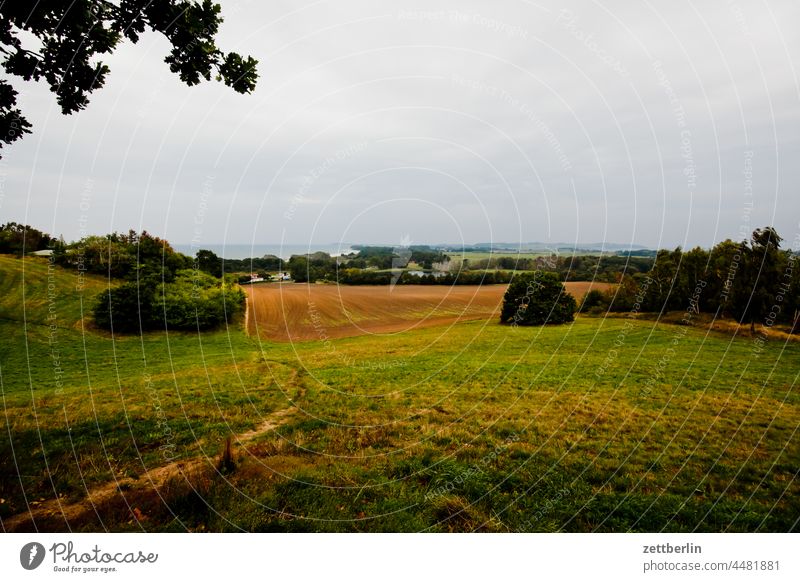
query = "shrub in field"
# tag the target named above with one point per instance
(126, 308)
(197, 300)
(536, 299)
(623, 297)
(194, 300)
(594, 301)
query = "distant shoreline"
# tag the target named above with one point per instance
(246, 251)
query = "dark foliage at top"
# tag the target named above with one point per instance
(72, 35)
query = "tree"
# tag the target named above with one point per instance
(209, 262)
(723, 267)
(593, 301)
(693, 280)
(535, 299)
(662, 294)
(133, 256)
(69, 36)
(19, 238)
(627, 294)
(126, 308)
(299, 269)
(763, 268)
(791, 278)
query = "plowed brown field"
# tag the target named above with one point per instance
(297, 312)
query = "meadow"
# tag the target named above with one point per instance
(606, 424)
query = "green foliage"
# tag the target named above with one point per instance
(764, 265)
(392, 257)
(372, 266)
(751, 281)
(536, 299)
(313, 267)
(369, 256)
(626, 295)
(208, 262)
(126, 308)
(366, 277)
(59, 42)
(130, 256)
(593, 301)
(605, 268)
(198, 301)
(254, 264)
(18, 238)
(12, 124)
(192, 301)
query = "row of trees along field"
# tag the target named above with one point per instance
(603, 268)
(350, 276)
(753, 281)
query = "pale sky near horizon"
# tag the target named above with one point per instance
(436, 122)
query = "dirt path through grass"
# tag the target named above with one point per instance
(153, 480)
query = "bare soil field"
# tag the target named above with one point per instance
(298, 312)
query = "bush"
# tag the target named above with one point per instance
(194, 300)
(536, 299)
(126, 308)
(594, 302)
(625, 296)
(197, 300)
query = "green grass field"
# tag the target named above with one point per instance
(521, 254)
(603, 425)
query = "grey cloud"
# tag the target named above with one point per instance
(520, 103)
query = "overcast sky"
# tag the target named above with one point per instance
(659, 124)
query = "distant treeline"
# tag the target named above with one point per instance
(389, 257)
(605, 268)
(360, 268)
(364, 277)
(214, 265)
(322, 267)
